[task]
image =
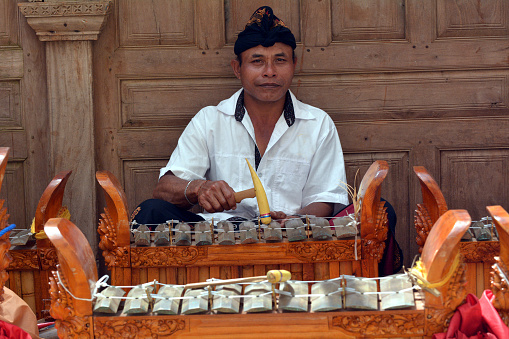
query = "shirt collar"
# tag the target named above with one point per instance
(288, 110)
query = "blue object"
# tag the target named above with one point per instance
(7, 229)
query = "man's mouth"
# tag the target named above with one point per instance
(270, 85)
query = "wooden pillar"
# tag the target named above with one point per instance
(68, 29)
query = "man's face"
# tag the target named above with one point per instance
(266, 73)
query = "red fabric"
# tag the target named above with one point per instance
(343, 213)
(476, 319)
(9, 331)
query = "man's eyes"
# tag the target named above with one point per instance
(277, 60)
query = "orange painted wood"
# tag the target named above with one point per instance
(321, 271)
(162, 276)
(143, 274)
(471, 273)
(296, 270)
(248, 270)
(486, 275)
(308, 272)
(203, 273)
(214, 272)
(479, 278)
(346, 268)
(171, 275)
(192, 275)
(181, 276)
(152, 274)
(135, 276)
(334, 269)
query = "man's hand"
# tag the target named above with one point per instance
(216, 196)
(278, 215)
(213, 196)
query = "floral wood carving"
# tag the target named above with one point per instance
(24, 260)
(453, 294)
(114, 256)
(48, 258)
(500, 288)
(381, 324)
(68, 324)
(166, 256)
(324, 251)
(480, 251)
(423, 225)
(134, 327)
(64, 9)
(373, 244)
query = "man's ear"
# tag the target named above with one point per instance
(236, 67)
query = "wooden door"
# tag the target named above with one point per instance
(412, 82)
(23, 115)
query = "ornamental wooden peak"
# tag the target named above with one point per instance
(432, 207)
(432, 196)
(4, 155)
(370, 192)
(50, 203)
(76, 260)
(66, 20)
(115, 222)
(501, 220)
(374, 223)
(443, 242)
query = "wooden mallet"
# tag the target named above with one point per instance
(241, 195)
(273, 276)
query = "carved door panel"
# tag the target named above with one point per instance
(412, 82)
(23, 115)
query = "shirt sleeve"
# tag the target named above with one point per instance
(190, 159)
(327, 176)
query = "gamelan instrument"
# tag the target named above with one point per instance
(345, 307)
(179, 253)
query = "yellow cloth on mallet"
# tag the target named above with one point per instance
(420, 273)
(63, 213)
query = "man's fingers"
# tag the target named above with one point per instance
(216, 196)
(229, 195)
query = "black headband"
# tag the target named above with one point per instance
(263, 28)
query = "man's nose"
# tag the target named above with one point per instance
(270, 70)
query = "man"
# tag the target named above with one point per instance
(294, 147)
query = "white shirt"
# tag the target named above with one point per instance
(302, 164)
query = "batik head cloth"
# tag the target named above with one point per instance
(263, 28)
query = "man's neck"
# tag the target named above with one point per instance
(264, 117)
(264, 113)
